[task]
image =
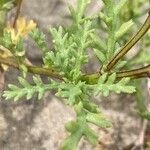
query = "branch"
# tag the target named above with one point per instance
(32, 69)
(134, 74)
(90, 79)
(130, 44)
(19, 2)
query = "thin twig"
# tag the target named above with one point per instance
(134, 74)
(19, 2)
(32, 69)
(91, 79)
(140, 72)
(130, 44)
(2, 78)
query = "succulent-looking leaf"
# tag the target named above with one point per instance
(27, 89)
(119, 6)
(98, 120)
(101, 56)
(125, 27)
(70, 91)
(110, 85)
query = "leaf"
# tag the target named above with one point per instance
(81, 6)
(72, 11)
(103, 78)
(19, 51)
(5, 6)
(91, 136)
(40, 39)
(110, 85)
(97, 42)
(119, 6)
(6, 40)
(78, 129)
(109, 6)
(98, 120)
(111, 78)
(70, 91)
(101, 56)
(146, 115)
(125, 27)
(105, 18)
(27, 89)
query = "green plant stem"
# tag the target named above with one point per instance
(32, 69)
(134, 74)
(90, 79)
(130, 44)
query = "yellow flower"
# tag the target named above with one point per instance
(22, 29)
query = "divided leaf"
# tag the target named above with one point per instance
(27, 89)
(70, 91)
(98, 120)
(124, 28)
(105, 87)
(40, 39)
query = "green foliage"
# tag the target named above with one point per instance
(69, 49)
(5, 5)
(146, 115)
(104, 87)
(81, 128)
(78, 129)
(98, 120)
(15, 48)
(68, 57)
(70, 91)
(27, 89)
(116, 30)
(40, 39)
(6, 40)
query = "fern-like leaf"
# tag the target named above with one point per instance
(107, 84)
(27, 89)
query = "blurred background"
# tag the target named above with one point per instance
(39, 125)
